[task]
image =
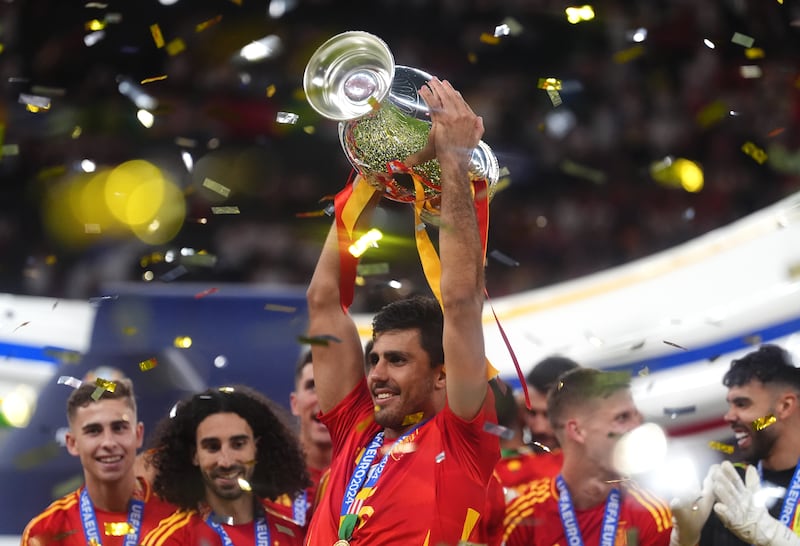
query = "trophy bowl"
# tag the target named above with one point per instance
(382, 118)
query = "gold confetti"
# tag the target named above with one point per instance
(98, 392)
(490, 39)
(312, 214)
(711, 114)
(374, 103)
(110, 386)
(472, 58)
(119, 528)
(644, 372)
(182, 342)
(175, 46)
(763, 422)
(271, 90)
(412, 418)
(754, 53)
(719, 446)
(309, 129)
(148, 364)
(280, 308)
(225, 210)
(154, 79)
(206, 24)
(226, 390)
(671, 344)
(216, 187)
(129, 331)
(627, 55)
(94, 24)
(759, 155)
(742, 40)
(158, 38)
(549, 83)
(244, 485)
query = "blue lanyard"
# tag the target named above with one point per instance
(89, 520)
(608, 530)
(300, 508)
(261, 526)
(790, 498)
(365, 476)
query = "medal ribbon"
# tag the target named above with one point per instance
(300, 508)
(364, 478)
(608, 530)
(89, 520)
(261, 529)
(789, 515)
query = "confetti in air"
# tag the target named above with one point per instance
(759, 155)
(206, 292)
(148, 364)
(287, 118)
(158, 38)
(225, 210)
(280, 308)
(216, 187)
(70, 381)
(498, 430)
(323, 340)
(719, 446)
(742, 40)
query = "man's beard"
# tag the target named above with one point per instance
(761, 445)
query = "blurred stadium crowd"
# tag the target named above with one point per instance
(656, 98)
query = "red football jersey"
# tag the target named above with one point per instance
(189, 528)
(433, 489)
(517, 471)
(533, 519)
(61, 523)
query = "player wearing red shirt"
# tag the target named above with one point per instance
(190, 527)
(443, 449)
(533, 518)
(219, 455)
(61, 522)
(114, 507)
(588, 502)
(411, 461)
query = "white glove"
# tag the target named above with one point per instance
(743, 514)
(690, 511)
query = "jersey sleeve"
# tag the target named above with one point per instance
(171, 531)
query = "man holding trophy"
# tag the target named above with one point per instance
(411, 457)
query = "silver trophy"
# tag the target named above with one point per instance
(352, 79)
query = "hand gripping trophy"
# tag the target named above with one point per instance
(352, 78)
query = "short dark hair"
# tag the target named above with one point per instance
(421, 313)
(769, 364)
(579, 387)
(83, 396)
(279, 468)
(544, 374)
(304, 359)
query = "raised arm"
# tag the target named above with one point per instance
(455, 132)
(338, 365)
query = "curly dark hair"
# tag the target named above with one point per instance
(419, 312)
(769, 364)
(280, 467)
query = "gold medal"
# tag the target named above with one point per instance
(341, 542)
